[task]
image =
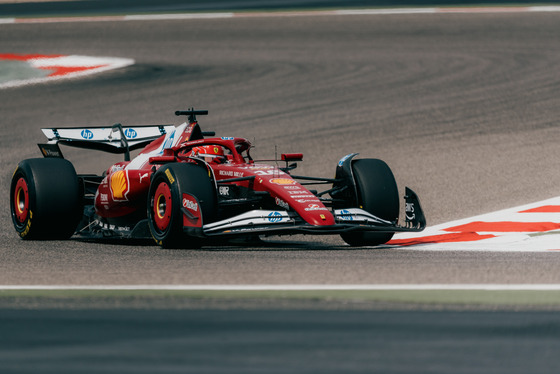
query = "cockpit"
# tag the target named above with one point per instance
(218, 150)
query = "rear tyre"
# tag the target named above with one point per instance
(45, 199)
(165, 200)
(377, 193)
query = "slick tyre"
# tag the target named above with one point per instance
(377, 193)
(165, 217)
(45, 199)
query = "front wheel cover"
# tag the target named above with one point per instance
(162, 207)
(162, 213)
(19, 205)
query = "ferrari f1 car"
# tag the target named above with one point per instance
(187, 186)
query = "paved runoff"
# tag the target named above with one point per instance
(19, 69)
(528, 228)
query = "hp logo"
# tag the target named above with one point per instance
(346, 215)
(87, 134)
(130, 133)
(274, 217)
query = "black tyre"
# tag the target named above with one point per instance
(377, 193)
(165, 217)
(45, 199)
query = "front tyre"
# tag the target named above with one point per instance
(45, 199)
(165, 196)
(377, 193)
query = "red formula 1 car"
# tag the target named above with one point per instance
(187, 186)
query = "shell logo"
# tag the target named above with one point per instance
(119, 185)
(282, 181)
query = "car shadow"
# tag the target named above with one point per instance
(236, 244)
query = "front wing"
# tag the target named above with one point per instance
(275, 222)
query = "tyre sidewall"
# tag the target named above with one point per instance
(55, 199)
(181, 178)
(23, 228)
(377, 189)
(377, 193)
(172, 234)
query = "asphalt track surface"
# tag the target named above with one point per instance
(238, 341)
(463, 108)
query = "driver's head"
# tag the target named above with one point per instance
(209, 153)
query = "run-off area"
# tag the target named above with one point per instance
(533, 227)
(19, 70)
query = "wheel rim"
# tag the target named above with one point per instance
(162, 207)
(21, 200)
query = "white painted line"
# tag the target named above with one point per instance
(81, 61)
(551, 8)
(340, 12)
(289, 287)
(178, 16)
(352, 12)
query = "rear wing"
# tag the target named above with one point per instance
(115, 139)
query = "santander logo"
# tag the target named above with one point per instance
(313, 207)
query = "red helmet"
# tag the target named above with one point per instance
(209, 153)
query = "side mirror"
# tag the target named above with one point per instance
(292, 157)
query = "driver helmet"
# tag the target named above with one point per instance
(213, 154)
